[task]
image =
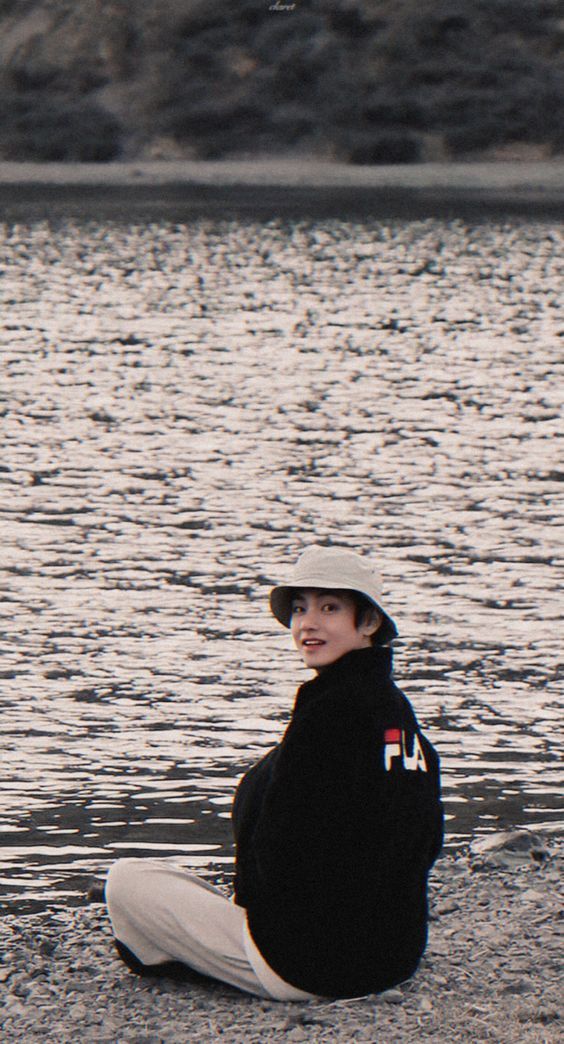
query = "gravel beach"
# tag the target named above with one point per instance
(490, 972)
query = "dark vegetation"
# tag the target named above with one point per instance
(363, 81)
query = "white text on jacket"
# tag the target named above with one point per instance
(395, 746)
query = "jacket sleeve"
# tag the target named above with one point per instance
(436, 825)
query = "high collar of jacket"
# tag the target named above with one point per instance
(354, 667)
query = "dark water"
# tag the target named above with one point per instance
(184, 406)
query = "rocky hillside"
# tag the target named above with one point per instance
(363, 81)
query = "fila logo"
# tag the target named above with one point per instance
(395, 747)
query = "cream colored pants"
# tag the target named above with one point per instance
(161, 912)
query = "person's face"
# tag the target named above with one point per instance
(323, 626)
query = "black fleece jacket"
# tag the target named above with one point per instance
(336, 829)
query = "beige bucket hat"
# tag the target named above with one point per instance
(333, 568)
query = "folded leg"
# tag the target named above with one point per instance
(161, 913)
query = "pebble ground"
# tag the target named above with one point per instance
(491, 973)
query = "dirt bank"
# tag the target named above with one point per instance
(542, 177)
(490, 973)
(267, 187)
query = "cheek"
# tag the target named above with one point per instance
(351, 636)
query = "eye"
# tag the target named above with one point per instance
(297, 609)
(330, 607)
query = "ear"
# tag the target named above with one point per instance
(371, 623)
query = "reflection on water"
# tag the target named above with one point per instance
(183, 407)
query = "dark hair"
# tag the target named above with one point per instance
(363, 608)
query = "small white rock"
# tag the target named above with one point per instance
(391, 997)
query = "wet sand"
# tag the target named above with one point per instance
(491, 973)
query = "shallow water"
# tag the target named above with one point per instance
(184, 406)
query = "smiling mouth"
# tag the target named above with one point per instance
(312, 643)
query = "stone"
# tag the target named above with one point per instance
(513, 843)
(391, 997)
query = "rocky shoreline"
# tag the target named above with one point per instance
(491, 971)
